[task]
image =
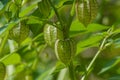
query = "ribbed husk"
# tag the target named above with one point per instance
(86, 11)
(65, 50)
(51, 34)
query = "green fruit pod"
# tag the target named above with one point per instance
(65, 50)
(19, 32)
(2, 71)
(51, 34)
(86, 11)
(93, 8)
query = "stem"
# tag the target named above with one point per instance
(71, 71)
(56, 12)
(3, 43)
(97, 54)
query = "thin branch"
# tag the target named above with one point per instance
(56, 12)
(3, 43)
(71, 71)
(97, 54)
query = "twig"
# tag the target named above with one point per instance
(56, 12)
(97, 54)
(3, 42)
(71, 71)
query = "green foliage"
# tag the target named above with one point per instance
(10, 59)
(83, 33)
(110, 64)
(27, 10)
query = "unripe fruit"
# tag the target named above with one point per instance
(65, 50)
(51, 34)
(19, 32)
(86, 11)
(93, 8)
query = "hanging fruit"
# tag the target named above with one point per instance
(65, 50)
(51, 34)
(19, 32)
(86, 10)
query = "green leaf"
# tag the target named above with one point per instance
(80, 49)
(27, 10)
(19, 69)
(12, 58)
(116, 31)
(64, 75)
(77, 26)
(112, 63)
(34, 20)
(45, 76)
(96, 27)
(91, 41)
(2, 71)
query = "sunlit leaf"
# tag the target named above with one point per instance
(12, 58)
(27, 10)
(19, 69)
(63, 75)
(77, 26)
(96, 27)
